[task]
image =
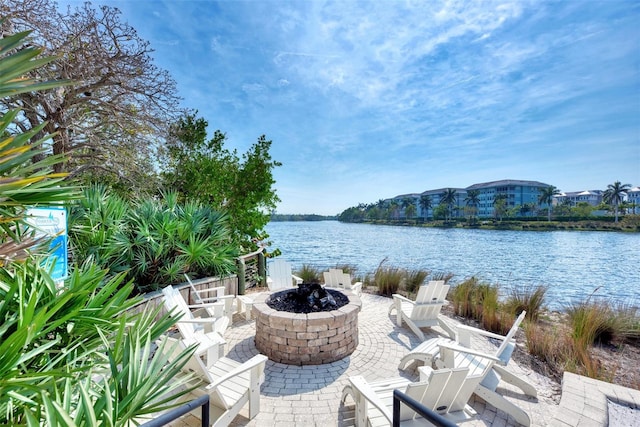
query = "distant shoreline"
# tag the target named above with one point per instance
(514, 225)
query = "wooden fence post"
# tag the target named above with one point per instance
(241, 276)
(262, 269)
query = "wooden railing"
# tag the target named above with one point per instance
(251, 270)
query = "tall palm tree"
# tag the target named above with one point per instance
(426, 203)
(473, 199)
(393, 209)
(448, 198)
(500, 205)
(406, 203)
(546, 197)
(614, 195)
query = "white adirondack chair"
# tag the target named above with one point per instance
(280, 276)
(424, 312)
(445, 391)
(230, 384)
(430, 353)
(206, 332)
(204, 297)
(336, 278)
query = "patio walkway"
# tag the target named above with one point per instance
(310, 395)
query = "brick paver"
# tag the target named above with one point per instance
(310, 395)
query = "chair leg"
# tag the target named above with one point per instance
(512, 379)
(499, 402)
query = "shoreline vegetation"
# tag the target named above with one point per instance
(594, 338)
(628, 223)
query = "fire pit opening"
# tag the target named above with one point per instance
(308, 298)
(309, 325)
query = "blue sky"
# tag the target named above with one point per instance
(368, 100)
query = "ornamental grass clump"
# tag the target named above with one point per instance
(591, 322)
(528, 298)
(414, 279)
(461, 297)
(388, 279)
(309, 274)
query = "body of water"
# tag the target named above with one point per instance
(573, 264)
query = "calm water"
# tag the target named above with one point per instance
(571, 264)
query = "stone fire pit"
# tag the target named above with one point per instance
(306, 338)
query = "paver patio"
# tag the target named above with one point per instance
(310, 395)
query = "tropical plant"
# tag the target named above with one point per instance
(69, 351)
(546, 197)
(448, 199)
(614, 195)
(425, 204)
(472, 200)
(393, 209)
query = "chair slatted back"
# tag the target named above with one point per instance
(429, 300)
(439, 393)
(280, 272)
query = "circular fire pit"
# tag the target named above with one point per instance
(306, 338)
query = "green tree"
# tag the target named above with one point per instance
(500, 206)
(440, 212)
(546, 197)
(448, 199)
(108, 124)
(394, 206)
(582, 209)
(204, 170)
(426, 204)
(409, 207)
(472, 200)
(614, 195)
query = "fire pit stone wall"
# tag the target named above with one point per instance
(306, 339)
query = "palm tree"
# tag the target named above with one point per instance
(426, 203)
(448, 198)
(546, 197)
(614, 194)
(393, 209)
(406, 203)
(473, 199)
(500, 205)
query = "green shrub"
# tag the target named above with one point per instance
(156, 240)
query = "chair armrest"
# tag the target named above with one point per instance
(461, 349)
(401, 298)
(200, 320)
(217, 290)
(359, 383)
(249, 364)
(296, 279)
(205, 305)
(477, 331)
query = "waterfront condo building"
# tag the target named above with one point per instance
(517, 193)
